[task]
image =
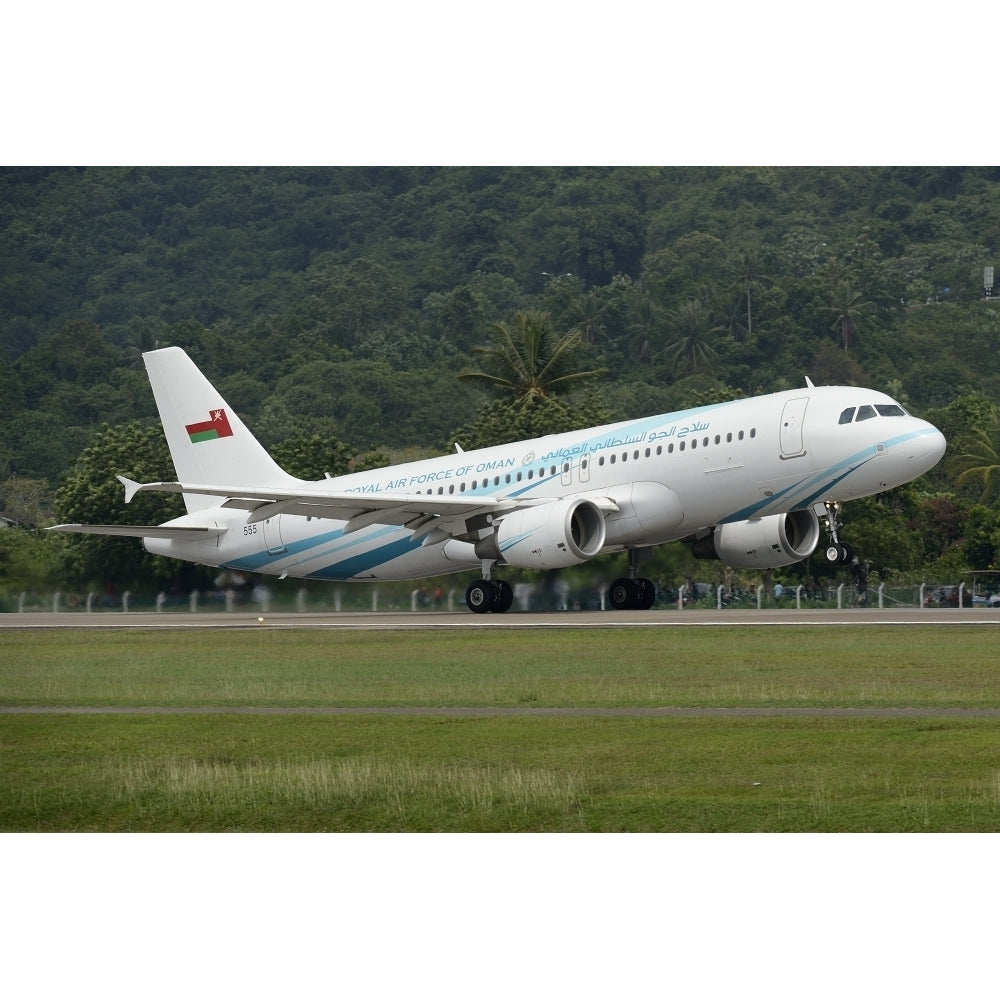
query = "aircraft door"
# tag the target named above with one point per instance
(272, 536)
(792, 418)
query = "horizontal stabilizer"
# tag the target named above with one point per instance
(141, 530)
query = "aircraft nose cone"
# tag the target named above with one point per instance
(929, 449)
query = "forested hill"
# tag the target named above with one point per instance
(347, 299)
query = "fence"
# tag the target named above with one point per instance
(527, 598)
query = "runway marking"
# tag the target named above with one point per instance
(401, 621)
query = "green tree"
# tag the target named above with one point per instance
(91, 494)
(847, 306)
(979, 458)
(748, 278)
(316, 456)
(691, 332)
(499, 423)
(528, 364)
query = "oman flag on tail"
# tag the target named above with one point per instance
(217, 426)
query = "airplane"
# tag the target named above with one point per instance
(750, 482)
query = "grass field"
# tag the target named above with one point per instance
(200, 751)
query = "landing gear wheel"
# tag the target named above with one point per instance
(480, 596)
(839, 553)
(621, 594)
(503, 597)
(647, 594)
(632, 595)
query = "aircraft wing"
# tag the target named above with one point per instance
(140, 530)
(422, 512)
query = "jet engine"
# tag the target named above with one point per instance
(762, 543)
(562, 533)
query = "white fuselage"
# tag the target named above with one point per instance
(669, 476)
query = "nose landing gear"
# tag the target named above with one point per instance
(837, 552)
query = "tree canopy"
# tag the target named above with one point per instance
(343, 302)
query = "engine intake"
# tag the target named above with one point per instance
(562, 533)
(763, 543)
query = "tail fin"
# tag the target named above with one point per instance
(208, 441)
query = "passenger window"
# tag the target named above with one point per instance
(865, 413)
(847, 416)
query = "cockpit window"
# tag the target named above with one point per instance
(890, 410)
(847, 416)
(866, 412)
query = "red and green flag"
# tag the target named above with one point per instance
(217, 426)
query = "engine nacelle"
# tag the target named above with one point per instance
(763, 543)
(553, 535)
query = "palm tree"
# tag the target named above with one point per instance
(528, 364)
(643, 329)
(692, 331)
(847, 305)
(981, 458)
(748, 278)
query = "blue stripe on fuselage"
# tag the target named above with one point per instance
(365, 562)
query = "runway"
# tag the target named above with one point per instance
(422, 620)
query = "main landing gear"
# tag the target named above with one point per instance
(634, 593)
(837, 552)
(483, 596)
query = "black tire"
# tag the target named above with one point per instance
(622, 594)
(503, 597)
(480, 596)
(647, 594)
